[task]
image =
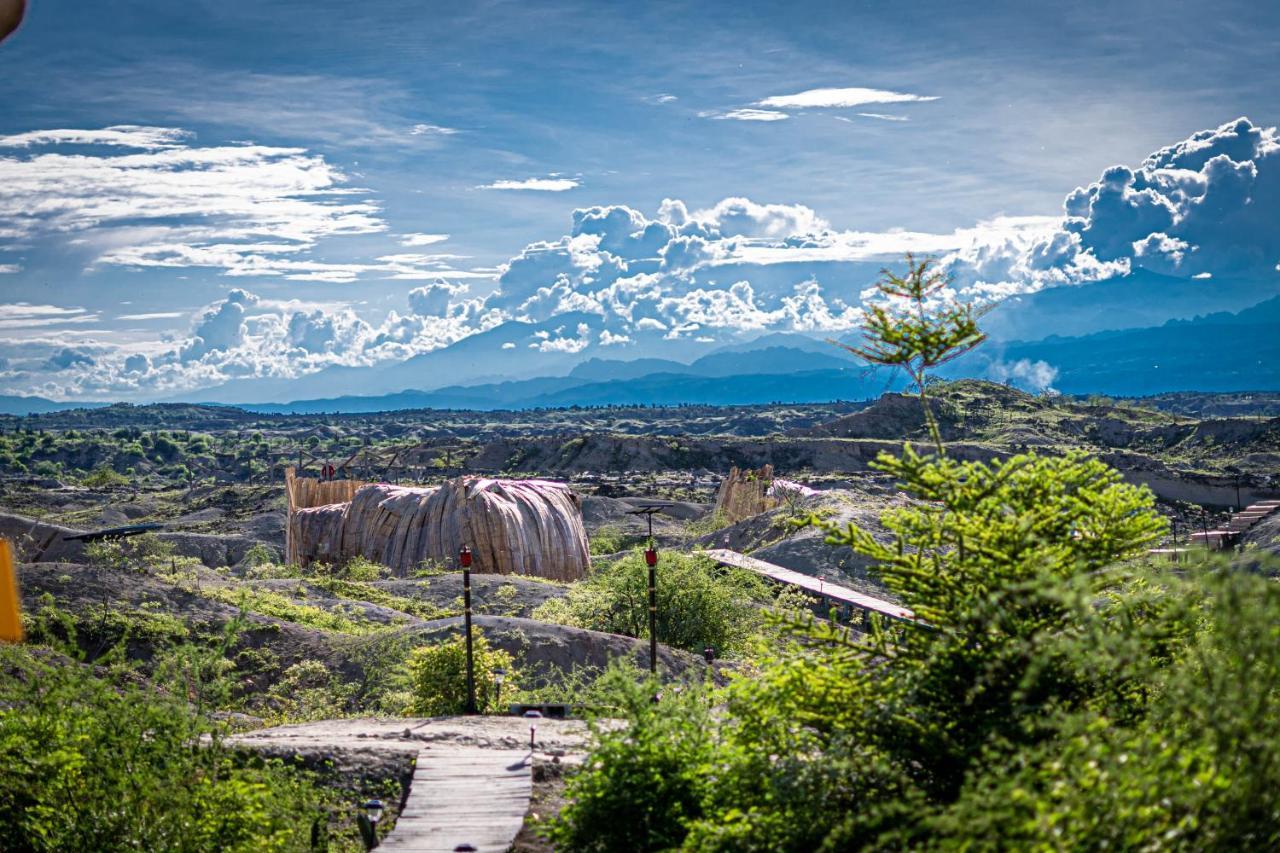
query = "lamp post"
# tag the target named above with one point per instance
(532, 716)
(651, 560)
(464, 558)
(368, 823)
(499, 676)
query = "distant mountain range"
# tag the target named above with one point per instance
(1220, 351)
(12, 404)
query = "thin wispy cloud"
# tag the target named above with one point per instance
(422, 239)
(832, 98)
(23, 315)
(123, 135)
(157, 315)
(662, 98)
(749, 114)
(245, 210)
(548, 185)
(431, 130)
(884, 116)
(10, 269)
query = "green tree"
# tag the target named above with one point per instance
(700, 604)
(913, 326)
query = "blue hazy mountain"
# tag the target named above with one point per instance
(1141, 299)
(11, 404)
(811, 386)
(1217, 352)
(605, 369)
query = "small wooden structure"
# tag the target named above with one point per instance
(307, 492)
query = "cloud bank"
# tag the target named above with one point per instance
(617, 278)
(1203, 206)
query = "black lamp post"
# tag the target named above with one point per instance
(651, 560)
(464, 558)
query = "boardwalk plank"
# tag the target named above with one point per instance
(463, 794)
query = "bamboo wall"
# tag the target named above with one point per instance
(307, 492)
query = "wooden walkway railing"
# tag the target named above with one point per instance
(1217, 540)
(816, 586)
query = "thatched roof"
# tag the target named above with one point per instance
(527, 527)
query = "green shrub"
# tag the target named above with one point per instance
(103, 477)
(438, 676)
(362, 569)
(612, 539)
(46, 468)
(643, 783)
(699, 603)
(260, 554)
(308, 691)
(103, 765)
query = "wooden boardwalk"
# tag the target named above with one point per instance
(472, 779)
(816, 586)
(463, 796)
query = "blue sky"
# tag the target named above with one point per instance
(291, 151)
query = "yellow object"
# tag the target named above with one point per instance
(10, 611)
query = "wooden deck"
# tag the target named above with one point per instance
(463, 796)
(472, 777)
(816, 586)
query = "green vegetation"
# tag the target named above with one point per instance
(700, 604)
(99, 763)
(439, 681)
(911, 328)
(268, 603)
(662, 761)
(612, 539)
(1052, 694)
(1043, 658)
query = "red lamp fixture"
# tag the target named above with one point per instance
(464, 557)
(650, 557)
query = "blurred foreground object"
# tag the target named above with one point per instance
(10, 16)
(10, 616)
